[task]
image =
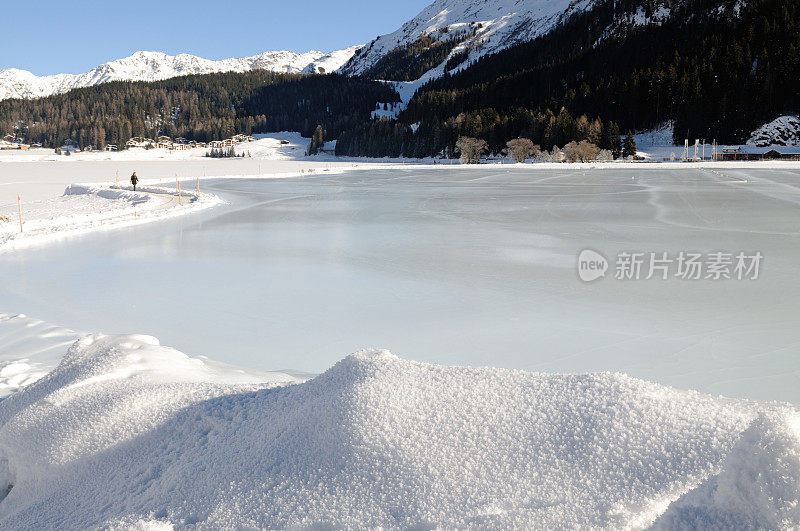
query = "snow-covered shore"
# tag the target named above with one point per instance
(126, 432)
(89, 208)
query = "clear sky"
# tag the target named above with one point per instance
(50, 37)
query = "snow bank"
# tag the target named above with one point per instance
(129, 433)
(88, 208)
(758, 488)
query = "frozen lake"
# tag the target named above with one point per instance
(466, 266)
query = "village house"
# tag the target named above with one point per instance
(138, 143)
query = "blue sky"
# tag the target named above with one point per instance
(49, 37)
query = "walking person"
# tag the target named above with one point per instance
(134, 180)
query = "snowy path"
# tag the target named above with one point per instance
(89, 208)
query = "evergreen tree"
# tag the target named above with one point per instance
(629, 148)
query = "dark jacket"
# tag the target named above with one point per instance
(134, 179)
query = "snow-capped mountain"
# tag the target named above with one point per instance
(497, 24)
(154, 66)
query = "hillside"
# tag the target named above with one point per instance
(155, 66)
(498, 24)
(716, 69)
(197, 107)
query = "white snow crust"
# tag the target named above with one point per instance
(125, 432)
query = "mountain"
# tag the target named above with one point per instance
(714, 69)
(155, 66)
(469, 29)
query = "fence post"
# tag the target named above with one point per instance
(19, 206)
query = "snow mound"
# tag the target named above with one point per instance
(758, 488)
(783, 131)
(125, 432)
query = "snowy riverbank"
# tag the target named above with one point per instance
(125, 431)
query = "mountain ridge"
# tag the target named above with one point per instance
(156, 66)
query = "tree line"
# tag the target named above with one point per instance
(197, 107)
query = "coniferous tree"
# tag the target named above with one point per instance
(629, 148)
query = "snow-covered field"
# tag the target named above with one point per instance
(449, 264)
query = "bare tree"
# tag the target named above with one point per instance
(605, 155)
(571, 152)
(587, 151)
(583, 151)
(557, 155)
(471, 149)
(520, 149)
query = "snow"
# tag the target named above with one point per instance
(758, 488)
(89, 208)
(127, 432)
(783, 132)
(154, 66)
(503, 24)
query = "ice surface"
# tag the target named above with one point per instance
(455, 266)
(29, 349)
(126, 432)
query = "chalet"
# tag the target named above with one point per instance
(165, 144)
(783, 154)
(138, 143)
(68, 149)
(11, 139)
(112, 147)
(756, 153)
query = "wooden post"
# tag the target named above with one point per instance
(19, 206)
(116, 180)
(198, 188)
(178, 187)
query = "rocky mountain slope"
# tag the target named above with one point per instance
(486, 26)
